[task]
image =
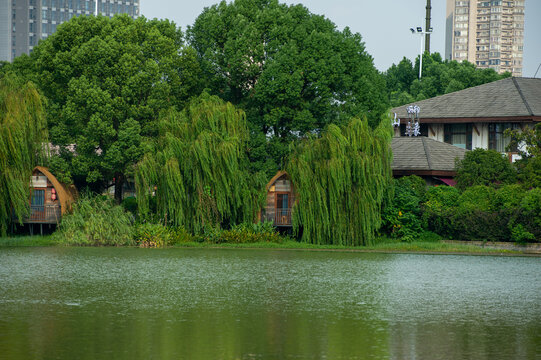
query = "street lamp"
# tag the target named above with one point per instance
(419, 30)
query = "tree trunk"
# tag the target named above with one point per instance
(119, 182)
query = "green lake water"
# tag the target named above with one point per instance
(128, 303)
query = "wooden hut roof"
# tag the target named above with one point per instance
(65, 197)
(278, 175)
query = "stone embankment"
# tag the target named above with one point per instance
(525, 248)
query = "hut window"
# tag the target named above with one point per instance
(283, 185)
(282, 201)
(38, 198)
(39, 181)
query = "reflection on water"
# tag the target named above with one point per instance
(101, 303)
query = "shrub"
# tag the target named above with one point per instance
(402, 216)
(484, 167)
(530, 213)
(130, 204)
(478, 216)
(180, 235)
(95, 221)
(244, 233)
(439, 208)
(152, 235)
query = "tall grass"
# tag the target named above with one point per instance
(95, 221)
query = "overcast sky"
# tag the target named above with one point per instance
(383, 24)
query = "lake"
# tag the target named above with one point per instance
(129, 303)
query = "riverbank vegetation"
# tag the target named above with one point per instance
(200, 121)
(486, 205)
(382, 245)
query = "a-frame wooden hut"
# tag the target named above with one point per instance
(49, 199)
(280, 199)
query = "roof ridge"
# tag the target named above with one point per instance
(427, 153)
(454, 92)
(522, 96)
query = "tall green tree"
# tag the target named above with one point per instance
(198, 168)
(341, 180)
(438, 77)
(291, 71)
(23, 134)
(107, 80)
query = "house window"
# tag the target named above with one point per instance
(496, 138)
(459, 135)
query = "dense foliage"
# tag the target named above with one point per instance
(291, 71)
(23, 133)
(480, 212)
(199, 168)
(341, 179)
(439, 77)
(106, 81)
(528, 143)
(509, 213)
(484, 167)
(402, 216)
(95, 221)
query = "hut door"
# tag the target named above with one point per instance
(37, 211)
(283, 214)
(38, 197)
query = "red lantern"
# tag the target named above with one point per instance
(53, 194)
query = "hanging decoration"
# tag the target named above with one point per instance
(413, 127)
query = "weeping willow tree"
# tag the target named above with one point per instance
(341, 179)
(23, 131)
(198, 168)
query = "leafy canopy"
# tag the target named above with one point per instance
(439, 77)
(107, 81)
(291, 71)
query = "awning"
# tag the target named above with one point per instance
(448, 181)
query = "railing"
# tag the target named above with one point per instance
(45, 214)
(279, 217)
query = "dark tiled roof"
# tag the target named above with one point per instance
(422, 153)
(511, 97)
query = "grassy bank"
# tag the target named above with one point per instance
(413, 247)
(27, 241)
(385, 245)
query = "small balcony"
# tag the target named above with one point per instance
(279, 217)
(43, 214)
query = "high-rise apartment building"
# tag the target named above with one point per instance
(24, 22)
(489, 34)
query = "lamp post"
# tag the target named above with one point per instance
(419, 30)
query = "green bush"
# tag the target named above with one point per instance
(439, 208)
(402, 216)
(130, 204)
(529, 214)
(484, 167)
(244, 233)
(95, 221)
(152, 235)
(180, 235)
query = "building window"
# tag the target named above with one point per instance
(459, 135)
(496, 138)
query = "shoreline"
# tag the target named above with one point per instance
(443, 247)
